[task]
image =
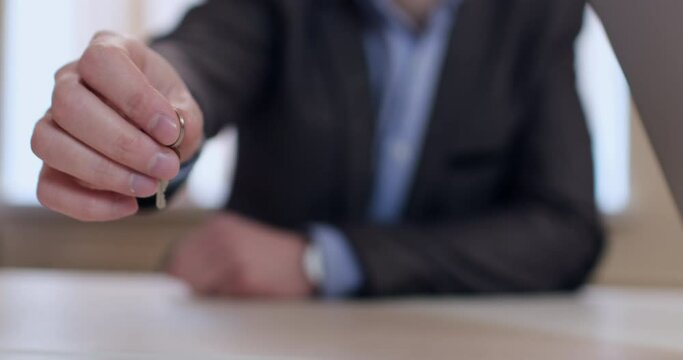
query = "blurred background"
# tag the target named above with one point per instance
(39, 36)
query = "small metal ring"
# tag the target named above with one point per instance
(181, 135)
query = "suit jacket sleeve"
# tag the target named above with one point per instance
(545, 237)
(221, 50)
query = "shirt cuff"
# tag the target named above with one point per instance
(342, 272)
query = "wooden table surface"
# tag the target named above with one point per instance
(70, 315)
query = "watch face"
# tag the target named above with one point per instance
(313, 265)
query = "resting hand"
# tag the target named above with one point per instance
(105, 139)
(233, 256)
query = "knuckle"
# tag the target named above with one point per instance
(68, 69)
(128, 42)
(42, 193)
(135, 103)
(95, 57)
(62, 71)
(63, 99)
(60, 98)
(45, 193)
(126, 146)
(102, 173)
(103, 34)
(38, 140)
(91, 58)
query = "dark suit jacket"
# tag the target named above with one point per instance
(503, 197)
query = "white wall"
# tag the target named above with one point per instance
(42, 35)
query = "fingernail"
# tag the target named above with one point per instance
(122, 206)
(142, 185)
(164, 165)
(164, 129)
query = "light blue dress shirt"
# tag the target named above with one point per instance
(405, 65)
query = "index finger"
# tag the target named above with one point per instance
(112, 67)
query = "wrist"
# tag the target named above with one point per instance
(300, 285)
(313, 265)
(342, 275)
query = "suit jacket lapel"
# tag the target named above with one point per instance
(342, 44)
(464, 59)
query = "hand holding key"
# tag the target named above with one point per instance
(163, 184)
(105, 140)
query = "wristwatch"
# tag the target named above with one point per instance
(313, 265)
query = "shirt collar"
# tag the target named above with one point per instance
(387, 12)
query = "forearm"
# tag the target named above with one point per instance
(530, 247)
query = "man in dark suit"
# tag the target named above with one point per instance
(385, 146)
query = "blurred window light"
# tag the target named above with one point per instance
(607, 103)
(32, 55)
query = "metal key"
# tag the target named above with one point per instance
(163, 184)
(161, 194)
